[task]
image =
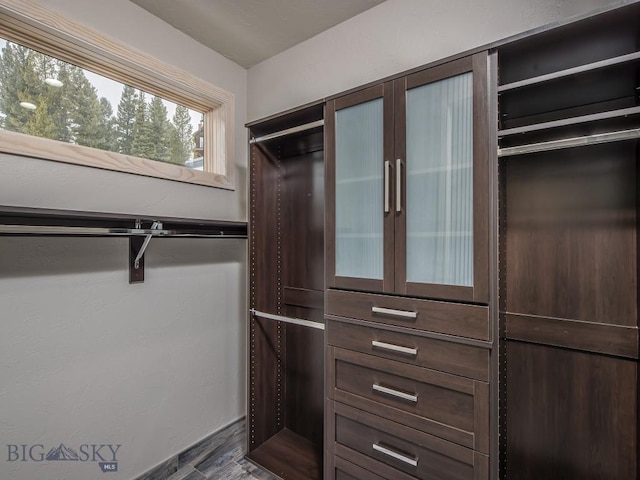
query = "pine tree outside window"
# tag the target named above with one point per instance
(49, 98)
(134, 113)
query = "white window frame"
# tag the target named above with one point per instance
(37, 27)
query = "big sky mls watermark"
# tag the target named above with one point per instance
(105, 455)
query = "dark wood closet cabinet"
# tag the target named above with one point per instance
(286, 288)
(408, 227)
(569, 116)
(478, 274)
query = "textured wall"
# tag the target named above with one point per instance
(394, 36)
(86, 358)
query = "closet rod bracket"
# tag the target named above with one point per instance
(137, 246)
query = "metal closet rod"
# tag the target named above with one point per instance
(109, 232)
(288, 131)
(293, 321)
(139, 238)
(50, 222)
(595, 139)
(24, 221)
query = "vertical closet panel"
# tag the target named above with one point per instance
(571, 234)
(561, 404)
(302, 211)
(305, 382)
(570, 238)
(302, 206)
(265, 336)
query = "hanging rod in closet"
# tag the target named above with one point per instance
(67, 231)
(293, 321)
(21, 221)
(587, 140)
(288, 131)
(50, 222)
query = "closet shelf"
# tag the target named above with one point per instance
(21, 221)
(609, 62)
(624, 112)
(592, 336)
(289, 455)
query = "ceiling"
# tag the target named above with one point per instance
(249, 31)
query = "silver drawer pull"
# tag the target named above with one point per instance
(412, 397)
(394, 348)
(393, 312)
(403, 458)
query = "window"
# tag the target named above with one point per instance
(49, 98)
(92, 101)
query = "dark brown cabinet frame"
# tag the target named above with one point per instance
(556, 262)
(356, 300)
(394, 95)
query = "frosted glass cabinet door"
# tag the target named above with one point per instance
(442, 219)
(440, 182)
(407, 185)
(360, 178)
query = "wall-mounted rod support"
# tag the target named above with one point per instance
(137, 246)
(145, 244)
(42, 222)
(288, 131)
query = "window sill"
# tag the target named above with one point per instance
(46, 149)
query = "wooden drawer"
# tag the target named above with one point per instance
(465, 360)
(471, 321)
(340, 469)
(367, 440)
(447, 406)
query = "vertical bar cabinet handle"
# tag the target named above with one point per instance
(387, 167)
(398, 185)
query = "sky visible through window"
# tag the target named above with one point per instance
(45, 97)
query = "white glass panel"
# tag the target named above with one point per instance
(440, 182)
(359, 191)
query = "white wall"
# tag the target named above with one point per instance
(86, 358)
(394, 36)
